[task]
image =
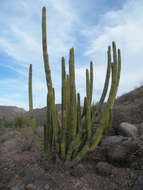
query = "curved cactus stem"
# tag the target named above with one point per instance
(73, 111)
(73, 107)
(49, 130)
(33, 120)
(105, 89)
(30, 92)
(64, 111)
(110, 102)
(49, 81)
(84, 108)
(88, 106)
(78, 114)
(91, 81)
(67, 130)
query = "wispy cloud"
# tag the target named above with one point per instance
(124, 26)
(90, 28)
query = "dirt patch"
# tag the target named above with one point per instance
(20, 167)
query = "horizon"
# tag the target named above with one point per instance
(89, 28)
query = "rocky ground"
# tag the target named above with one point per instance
(116, 164)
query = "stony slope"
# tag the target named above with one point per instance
(129, 108)
(10, 112)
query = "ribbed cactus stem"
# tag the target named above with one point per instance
(33, 120)
(49, 81)
(68, 129)
(49, 131)
(73, 111)
(30, 91)
(88, 106)
(99, 132)
(106, 85)
(84, 108)
(78, 114)
(73, 106)
(63, 93)
(91, 80)
(64, 111)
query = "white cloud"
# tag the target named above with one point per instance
(20, 38)
(124, 26)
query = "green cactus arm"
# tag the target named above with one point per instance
(117, 85)
(30, 92)
(64, 111)
(109, 121)
(78, 114)
(106, 84)
(75, 143)
(88, 106)
(33, 120)
(49, 135)
(91, 81)
(49, 81)
(101, 128)
(91, 90)
(72, 106)
(68, 129)
(63, 94)
(99, 132)
(115, 76)
(119, 69)
(84, 108)
(81, 154)
(73, 111)
(85, 147)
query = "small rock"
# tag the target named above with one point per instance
(112, 140)
(78, 171)
(127, 130)
(68, 165)
(117, 154)
(18, 187)
(32, 174)
(120, 150)
(103, 169)
(47, 187)
(30, 187)
(140, 129)
(24, 144)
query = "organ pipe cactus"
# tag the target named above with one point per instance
(73, 137)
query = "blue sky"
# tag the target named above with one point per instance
(88, 27)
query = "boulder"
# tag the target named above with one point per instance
(78, 171)
(119, 150)
(30, 187)
(127, 130)
(140, 129)
(47, 187)
(103, 169)
(112, 140)
(117, 155)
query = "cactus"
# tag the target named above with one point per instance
(73, 137)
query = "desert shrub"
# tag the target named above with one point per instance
(21, 122)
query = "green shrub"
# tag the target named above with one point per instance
(21, 122)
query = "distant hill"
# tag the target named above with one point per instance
(40, 114)
(10, 112)
(128, 107)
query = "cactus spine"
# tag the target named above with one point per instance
(73, 136)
